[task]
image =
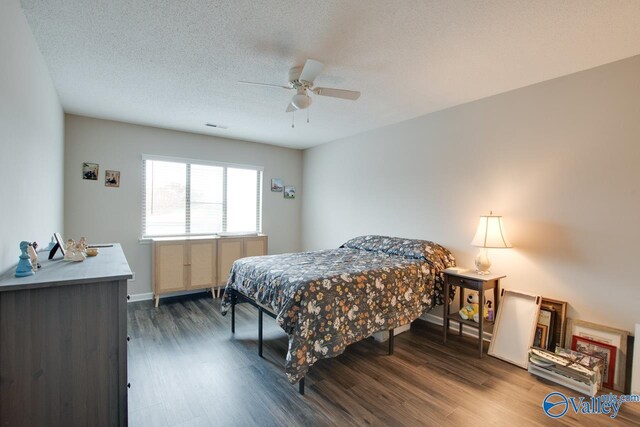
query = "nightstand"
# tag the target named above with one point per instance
(469, 279)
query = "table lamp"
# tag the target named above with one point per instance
(490, 234)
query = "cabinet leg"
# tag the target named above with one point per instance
(157, 300)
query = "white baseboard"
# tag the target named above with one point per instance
(149, 295)
(141, 297)
(453, 326)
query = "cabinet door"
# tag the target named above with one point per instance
(203, 264)
(170, 264)
(229, 250)
(255, 246)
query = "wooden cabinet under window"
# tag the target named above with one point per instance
(255, 246)
(170, 262)
(199, 262)
(203, 267)
(231, 249)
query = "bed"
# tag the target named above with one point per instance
(326, 300)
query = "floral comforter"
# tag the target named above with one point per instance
(326, 300)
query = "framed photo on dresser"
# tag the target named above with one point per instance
(59, 246)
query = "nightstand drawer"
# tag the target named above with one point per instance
(464, 282)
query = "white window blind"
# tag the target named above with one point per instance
(190, 197)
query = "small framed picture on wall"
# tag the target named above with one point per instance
(90, 171)
(277, 185)
(112, 178)
(289, 192)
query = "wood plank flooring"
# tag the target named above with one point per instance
(187, 369)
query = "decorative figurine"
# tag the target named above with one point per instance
(71, 252)
(24, 267)
(33, 255)
(35, 250)
(81, 246)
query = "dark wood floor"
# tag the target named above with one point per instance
(186, 369)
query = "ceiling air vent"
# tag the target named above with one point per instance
(211, 125)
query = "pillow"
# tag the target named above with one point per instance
(431, 252)
(368, 243)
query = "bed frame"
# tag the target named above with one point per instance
(238, 298)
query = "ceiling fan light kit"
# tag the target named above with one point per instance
(301, 100)
(301, 79)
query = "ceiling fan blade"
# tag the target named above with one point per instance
(264, 84)
(311, 70)
(291, 108)
(337, 93)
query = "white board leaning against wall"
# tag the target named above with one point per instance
(515, 327)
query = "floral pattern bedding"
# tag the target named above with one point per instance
(326, 300)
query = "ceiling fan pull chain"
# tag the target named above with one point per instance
(293, 119)
(308, 111)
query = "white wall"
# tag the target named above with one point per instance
(31, 140)
(104, 214)
(560, 160)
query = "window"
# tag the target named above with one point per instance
(190, 197)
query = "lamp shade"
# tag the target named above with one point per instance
(490, 233)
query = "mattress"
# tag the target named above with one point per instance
(326, 300)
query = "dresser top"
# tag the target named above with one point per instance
(110, 264)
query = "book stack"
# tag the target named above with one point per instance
(577, 371)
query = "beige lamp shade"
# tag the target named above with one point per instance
(490, 233)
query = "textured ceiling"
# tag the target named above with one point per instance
(175, 64)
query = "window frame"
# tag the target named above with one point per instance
(188, 162)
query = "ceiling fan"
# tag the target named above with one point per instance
(301, 80)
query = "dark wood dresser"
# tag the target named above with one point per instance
(63, 343)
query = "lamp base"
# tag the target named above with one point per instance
(482, 262)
